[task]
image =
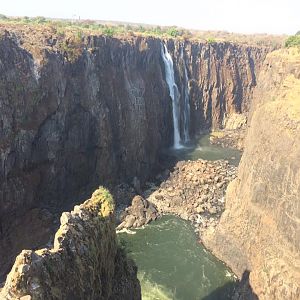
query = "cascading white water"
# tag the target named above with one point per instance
(186, 111)
(174, 93)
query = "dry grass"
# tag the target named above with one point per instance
(291, 55)
(287, 96)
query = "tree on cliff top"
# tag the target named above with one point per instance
(293, 41)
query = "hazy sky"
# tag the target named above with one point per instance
(248, 16)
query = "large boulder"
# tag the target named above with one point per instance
(140, 212)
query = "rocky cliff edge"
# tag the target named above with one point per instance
(84, 263)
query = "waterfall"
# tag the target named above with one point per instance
(186, 111)
(174, 93)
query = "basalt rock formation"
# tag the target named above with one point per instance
(222, 77)
(67, 126)
(76, 112)
(141, 212)
(259, 230)
(84, 263)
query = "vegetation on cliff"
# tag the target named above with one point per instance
(101, 202)
(117, 29)
(293, 41)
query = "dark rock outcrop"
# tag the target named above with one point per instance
(141, 212)
(84, 263)
(259, 230)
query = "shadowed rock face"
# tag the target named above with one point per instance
(84, 263)
(66, 127)
(259, 229)
(69, 122)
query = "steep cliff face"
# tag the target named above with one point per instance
(67, 126)
(259, 230)
(221, 79)
(84, 263)
(76, 112)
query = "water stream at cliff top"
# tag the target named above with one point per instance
(174, 93)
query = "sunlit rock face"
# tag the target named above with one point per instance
(259, 230)
(76, 113)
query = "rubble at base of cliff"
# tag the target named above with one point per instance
(233, 133)
(229, 138)
(194, 191)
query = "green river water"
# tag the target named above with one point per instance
(171, 262)
(201, 148)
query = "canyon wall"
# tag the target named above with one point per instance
(84, 263)
(222, 77)
(68, 124)
(259, 230)
(76, 112)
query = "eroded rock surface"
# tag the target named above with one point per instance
(84, 263)
(259, 230)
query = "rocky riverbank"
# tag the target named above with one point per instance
(229, 138)
(233, 133)
(194, 191)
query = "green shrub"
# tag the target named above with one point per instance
(3, 17)
(79, 35)
(293, 41)
(39, 20)
(211, 40)
(26, 19)
(173, 32)
(110, 31)
(141, 29)
(157, 30)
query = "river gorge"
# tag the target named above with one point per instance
(138, 115)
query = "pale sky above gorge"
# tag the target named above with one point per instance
(245, 16)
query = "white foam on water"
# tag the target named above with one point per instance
(154, 291)
(125, 230)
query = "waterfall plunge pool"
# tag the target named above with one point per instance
(172, 265)
(202, 148)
